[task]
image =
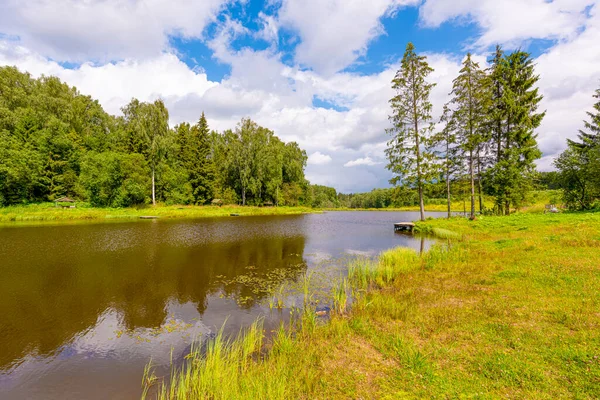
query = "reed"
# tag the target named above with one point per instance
(340, 296)
(508, 311)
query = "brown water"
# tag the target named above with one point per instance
(84, 307)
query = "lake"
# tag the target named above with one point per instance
(84, 307)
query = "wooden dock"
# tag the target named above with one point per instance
(148, 217)
(404, 226)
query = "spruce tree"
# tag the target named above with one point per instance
(514, 117)
(579, 165)
(408, 152)
(468, 108)
(496, 111)
(198, 161)
(590, 137)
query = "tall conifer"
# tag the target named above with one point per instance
(199, 163)
(468, 108)
(446, 142)
(590, 135)
(514, 118)
(408, 153)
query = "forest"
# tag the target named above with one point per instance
(56, 142)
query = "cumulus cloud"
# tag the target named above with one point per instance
(114, 84)
(279, 95)
(318, 158)
(511, 21)
(103, 30)
(334, 33)
(362, 161)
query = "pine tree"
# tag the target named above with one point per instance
(449, 153)
(468, 108)
(408, 152)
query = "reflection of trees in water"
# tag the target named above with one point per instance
(46, 299)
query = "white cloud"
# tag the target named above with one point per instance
(362, 161)
(318, 158)
(280, 96)
(103, 30)
(569, 75)
(114, 84)
(270, 28)
(334, 33)
(511, 21)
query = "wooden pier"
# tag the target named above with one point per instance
(404, 226)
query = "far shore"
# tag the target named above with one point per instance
(47, 212)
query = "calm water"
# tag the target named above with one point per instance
(84, 307)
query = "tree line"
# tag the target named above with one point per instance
(56, 142)
(487, 129)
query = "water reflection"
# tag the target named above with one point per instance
(84, 307)
(48, 294)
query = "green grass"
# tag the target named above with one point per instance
(509, 310)
(48, 212)
(535, 202)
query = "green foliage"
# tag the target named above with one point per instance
(590, 136)
(195, 157)
(324, 197)
(115, 179)
(409, 158)
(465, 117)
(56, 142)
(579, 165)
(513, 118)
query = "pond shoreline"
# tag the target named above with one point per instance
(516, 295)
(44, 213)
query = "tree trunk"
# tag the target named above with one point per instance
(419, 182)
(448, 194)
(479, 189)
(421, 204)
(244, 196)
(448, 191)
(472, 172)
(153, 189)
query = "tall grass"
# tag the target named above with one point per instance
(83, 212)
(340, 296)
(215, 370)
(365, 273)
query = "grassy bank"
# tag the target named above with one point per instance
(535, 202)
(48, 212)
(510, 309)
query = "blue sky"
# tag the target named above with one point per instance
(315, 71)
